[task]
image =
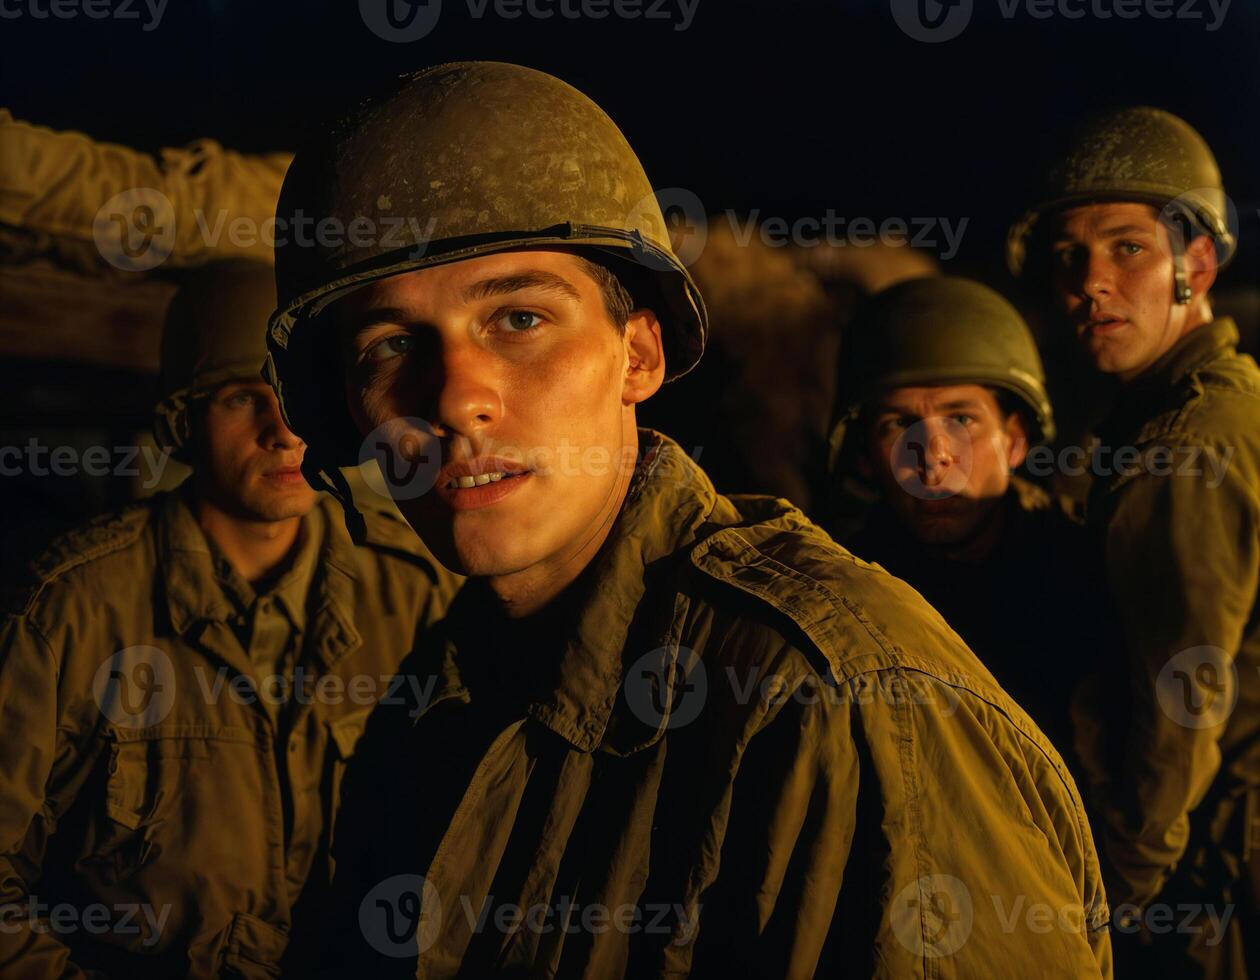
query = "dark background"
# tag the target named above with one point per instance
(794, 108)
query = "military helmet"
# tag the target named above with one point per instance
(940, 330)
(1137, 154)
(454, 162)
(215, 331)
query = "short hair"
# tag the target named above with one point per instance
(617, 299)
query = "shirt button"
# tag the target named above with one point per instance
(293, 744)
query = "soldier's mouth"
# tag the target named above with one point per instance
(1101, 325)
(479, 482)
(286, 475)
(481, 479)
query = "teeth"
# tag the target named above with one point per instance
(480, 480)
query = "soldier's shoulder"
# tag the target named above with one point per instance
(91, 550)
(1219, 401)
(854, 614)
(389, 540)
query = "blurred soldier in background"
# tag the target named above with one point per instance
(1132, 226)
(850, 790)
(942, 395)
(184, 682)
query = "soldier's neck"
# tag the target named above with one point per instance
(532, 590)
(256, 549)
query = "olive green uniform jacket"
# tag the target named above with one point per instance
(1032, 609)
(163, 805)
(1176, 764)
(735, 750)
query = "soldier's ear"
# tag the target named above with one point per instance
(645, 357)
(1201, 264)
(1017, 440)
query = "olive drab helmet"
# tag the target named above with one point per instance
(215, 331)
(940, 330)
(1137, 154)
(454, 162)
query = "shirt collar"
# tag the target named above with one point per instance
(202, 586)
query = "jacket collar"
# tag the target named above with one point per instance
(1143, 397)
(668, 502)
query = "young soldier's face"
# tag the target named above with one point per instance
(1113, 277)
(508, 370)
(248, 462)
(942, 456)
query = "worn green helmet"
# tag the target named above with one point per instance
(1137, 154)
(454, 162)
(940, 330)
(215, 331)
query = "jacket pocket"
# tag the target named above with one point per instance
(253, 949)
(143, 785)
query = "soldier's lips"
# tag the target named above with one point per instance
(1102, 326)
(286, 475)
(458, 496)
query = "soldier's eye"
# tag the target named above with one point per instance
(390, 347)
(518, 321)
(1066, 257)
(1131, 248)
(962, 418)
(239, 399)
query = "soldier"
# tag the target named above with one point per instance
(1128, 239)
(186, 680)
(669, 732)
(942, 395)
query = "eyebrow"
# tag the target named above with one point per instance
(357, 322)
(961, 403)
(528, 279)
(1113, 232)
